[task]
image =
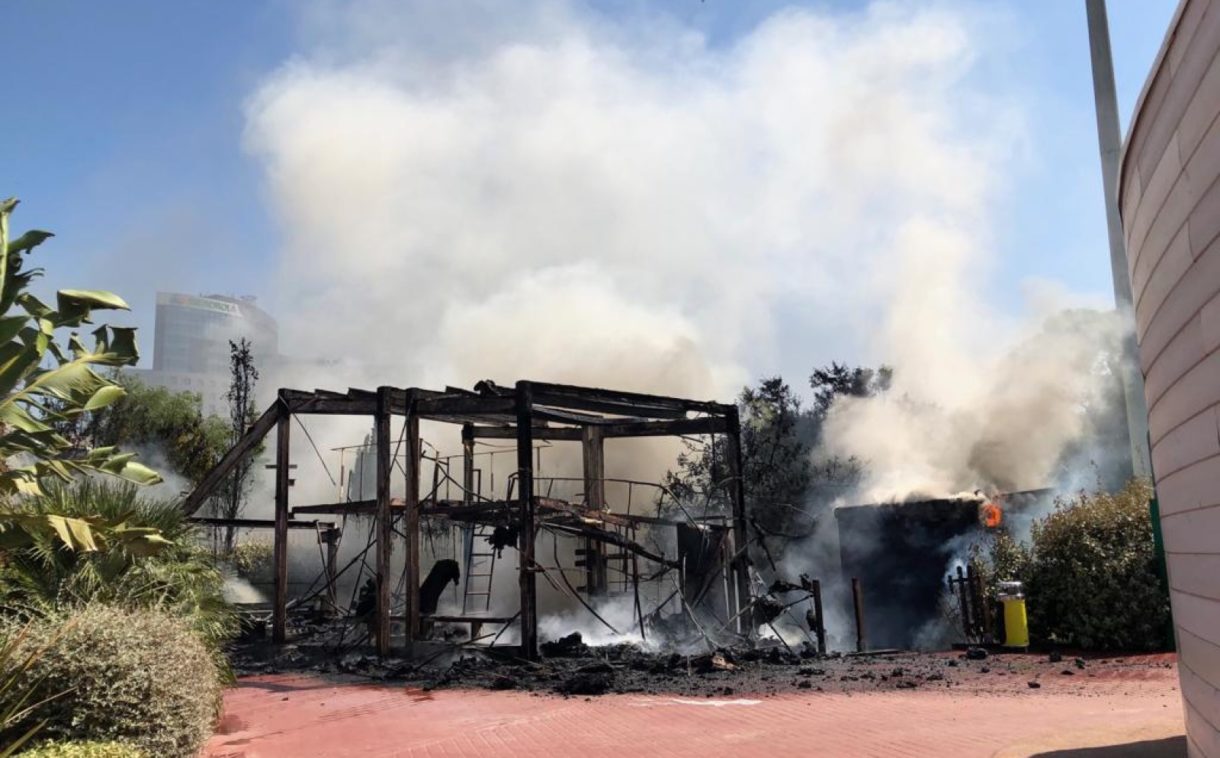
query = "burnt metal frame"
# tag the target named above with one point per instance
(525, 412)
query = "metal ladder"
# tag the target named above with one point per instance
(620, 566)
(475, 562)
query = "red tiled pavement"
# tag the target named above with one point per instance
(298, 716)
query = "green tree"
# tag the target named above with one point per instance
(840, 380)
(243, 378)
(171, 422)
(833, 476)
(775, 460)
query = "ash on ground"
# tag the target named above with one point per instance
(569, 667)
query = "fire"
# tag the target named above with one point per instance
(990, 514)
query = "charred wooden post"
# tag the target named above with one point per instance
(963, 595)
(741, 538)
(525, 494)
(986, 625)
(815, 589)
(468, 464)
(384, 534)
(593, 457)
(330, 538)
(410, 568)
(857, 600)
(279, 614)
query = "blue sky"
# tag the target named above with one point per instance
(124, 134)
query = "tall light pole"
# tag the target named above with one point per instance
(1110, 143)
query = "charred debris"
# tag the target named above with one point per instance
(708, 607)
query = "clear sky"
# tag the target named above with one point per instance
(123, 132)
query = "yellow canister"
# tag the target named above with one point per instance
(1016, 626)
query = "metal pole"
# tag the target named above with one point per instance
(1110, 144)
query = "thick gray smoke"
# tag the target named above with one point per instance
(1005, 420)
(552, 194)
(619, 203)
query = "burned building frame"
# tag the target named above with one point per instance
(525, 413)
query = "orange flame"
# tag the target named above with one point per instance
(991, 515)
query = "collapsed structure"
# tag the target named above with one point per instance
(710, 548)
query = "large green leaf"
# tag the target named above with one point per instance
(74, 381)
(10, 325)
(92, 299)
(122, 345)
(15, 362)
(34, 306)
(75, 306)
(104, 397)
(18, 417)
(28, 241)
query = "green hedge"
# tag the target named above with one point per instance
(1090, 572)
(135, 676)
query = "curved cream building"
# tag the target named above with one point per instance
(1169, 197)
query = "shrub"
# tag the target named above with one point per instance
(179, 577)
(89, 749)
(135, 676)
(252, 559)
(1090, 572)
(1093, 580)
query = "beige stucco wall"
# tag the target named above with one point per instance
(1169, 197)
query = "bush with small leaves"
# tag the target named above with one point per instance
(1093, 580)
(1090, 572)
(134, 676)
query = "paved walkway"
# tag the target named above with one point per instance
(297, 716)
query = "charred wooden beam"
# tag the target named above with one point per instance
(352, 506)
(239, 452)
(259, 523)
(491, 509)
(564, 416)
(301, 401)
(624, 403)
(539, 432)
(462, 405)
(611, 538)
(550, 505)
(672, 428)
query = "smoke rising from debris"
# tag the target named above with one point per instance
(553, 194)
(1010, 421)
(625, 203)
(621, 203)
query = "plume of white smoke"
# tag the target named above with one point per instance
(624, 203)
(1003, 423)
(575, 199)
